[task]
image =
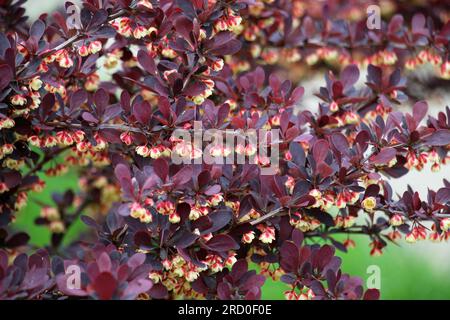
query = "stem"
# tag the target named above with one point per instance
(71, 40)
(47, 158)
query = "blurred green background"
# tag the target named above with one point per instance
(418, 271)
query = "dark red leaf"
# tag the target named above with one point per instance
(221, 243)
(104, 286)
(384, 156)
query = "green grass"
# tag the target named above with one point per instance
(40, 235)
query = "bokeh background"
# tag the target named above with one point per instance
(418, 271)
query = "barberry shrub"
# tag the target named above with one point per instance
(101, 91)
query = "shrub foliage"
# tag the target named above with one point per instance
(101, 89)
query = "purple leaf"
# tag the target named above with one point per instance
(438, 138)
(146, 61)
(340, 142)
(183, 176)
(384, 156)
(349, 76)
(239, 269)
(221, 243)
(289, 257)
(104, 262)
(37, 29)
(105, 285)
(161, 167)
(442, 196)
(420, 109)
(143, 112)
(6, 76)
(320, 150)
(89, 117)
(372, 294)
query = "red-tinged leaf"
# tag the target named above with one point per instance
(78, 98)
(253, 282)
(337, 90)
(229, 48)
(184, 26)
(372, 191)
(164, 107)
(418, 24)
(304, 201)
(308, 27)
(220, 218)
(89, 117)
(220, 39)
(224, 291)
(150, 182)
(186, 116)
(320, 150)
(255, 292)
(324, 256)
(183, 176)
(297, 237)
(442, 196)
(158, 291)
(439, 138)
(372, 294)
(222, 243)
(6, 76)
(212, 190)
(199, 286)
(122, 172)
(296, 95)
(349, 76)
(12, 178)
(194, 88)
(104, 286)
(37, 29)
(420, 109)
(384, 156)
(136, 287)
(374, 75)
(143, 112)
(161, 167)
(396, 24)
(249, 172)
(363, 139)
(289, 255)
(340, 142)
(101, 99)
(146, 61)
(292, 133)
(239, 269)
(125, 101)
(277, 186)
(324, 170)
(297, 153)
(104, 262)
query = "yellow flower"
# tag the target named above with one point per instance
(369, 204)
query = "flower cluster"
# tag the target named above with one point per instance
(105, 98)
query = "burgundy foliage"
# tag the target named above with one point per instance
(104, 94)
